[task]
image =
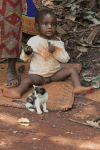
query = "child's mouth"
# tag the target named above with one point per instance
(49, 31)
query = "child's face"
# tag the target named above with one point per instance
(47, 26)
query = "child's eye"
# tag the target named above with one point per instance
(45, 23)
(54, 24)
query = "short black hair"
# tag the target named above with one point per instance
(43, 12)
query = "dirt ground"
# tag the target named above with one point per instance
(54, 130)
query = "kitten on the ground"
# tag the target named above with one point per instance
(35, 99)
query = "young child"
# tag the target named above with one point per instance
(46, 53)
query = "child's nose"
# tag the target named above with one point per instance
(50, 26)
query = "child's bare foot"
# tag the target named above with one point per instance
(83, 90)
(12, 79)
(10, 93)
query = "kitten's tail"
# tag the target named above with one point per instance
(20, 102)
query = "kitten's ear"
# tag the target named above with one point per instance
(35, 86)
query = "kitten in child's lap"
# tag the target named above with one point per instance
(35, 99)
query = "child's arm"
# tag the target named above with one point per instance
(26, 53)
(60, 53)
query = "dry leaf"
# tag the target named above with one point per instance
(36, 139)
(70, 17)
(82, 49)
(49, 4)
(92, 35)
(92, 123)
(23, 121)
(60, 30)
(25, 124)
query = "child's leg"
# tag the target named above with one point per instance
(24, 86)
(63, 73)
(11, 75)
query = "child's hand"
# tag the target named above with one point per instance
(51, 48)
(27, 49)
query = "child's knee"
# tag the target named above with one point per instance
(73, 69)
(38, 80)
(26, 80)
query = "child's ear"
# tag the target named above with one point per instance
(36, 26)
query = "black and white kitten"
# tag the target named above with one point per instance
(35, 99)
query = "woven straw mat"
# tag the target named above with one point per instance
(95, 96)
(61, 97)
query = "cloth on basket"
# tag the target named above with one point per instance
(30, 8)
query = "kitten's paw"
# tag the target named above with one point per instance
(39, 112)
(46, 110)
